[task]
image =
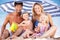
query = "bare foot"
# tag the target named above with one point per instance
(0, 38)
(12, 37)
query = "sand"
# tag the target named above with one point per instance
(20, 38)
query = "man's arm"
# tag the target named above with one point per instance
(22, 24)
(4, 25)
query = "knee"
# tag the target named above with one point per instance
(54, 27)
(5, 30)
(0, 38)
(5, 33)
(53, 31)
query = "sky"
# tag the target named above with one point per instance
(56, 20)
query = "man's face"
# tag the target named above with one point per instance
(18, 8)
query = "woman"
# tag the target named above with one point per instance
(38, 11)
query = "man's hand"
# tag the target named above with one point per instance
(13, 36)
(4, 24)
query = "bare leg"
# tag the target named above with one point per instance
(5, 34)
(0, 38)
(50, 32)
(26, 33)
(18, 32)
(53, 32)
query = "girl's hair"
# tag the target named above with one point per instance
(26, 13)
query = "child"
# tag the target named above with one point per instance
(41, 25)
(26, 24)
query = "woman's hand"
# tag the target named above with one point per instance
(37, 29)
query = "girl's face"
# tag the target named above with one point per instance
(26, 16)
(37, 9)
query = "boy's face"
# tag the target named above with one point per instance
(26, 16)
(18, 8)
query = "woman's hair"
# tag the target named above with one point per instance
(33, 11)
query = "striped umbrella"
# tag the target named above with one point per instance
(27, 6)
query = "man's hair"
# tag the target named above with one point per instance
(18, 3)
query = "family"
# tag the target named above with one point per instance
(41, 24)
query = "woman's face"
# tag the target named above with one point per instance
(37, 9)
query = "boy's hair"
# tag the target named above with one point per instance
(26, 13)
(18, 3)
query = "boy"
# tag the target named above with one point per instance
(26, 24)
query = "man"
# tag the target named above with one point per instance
(13, 17)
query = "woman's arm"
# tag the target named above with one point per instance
(50, 20)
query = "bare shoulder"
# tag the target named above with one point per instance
(9, 15)
(49, 17)
(48, 14)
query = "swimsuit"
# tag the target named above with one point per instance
(42, 28)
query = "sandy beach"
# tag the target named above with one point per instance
(36, 39)
(20, 38)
